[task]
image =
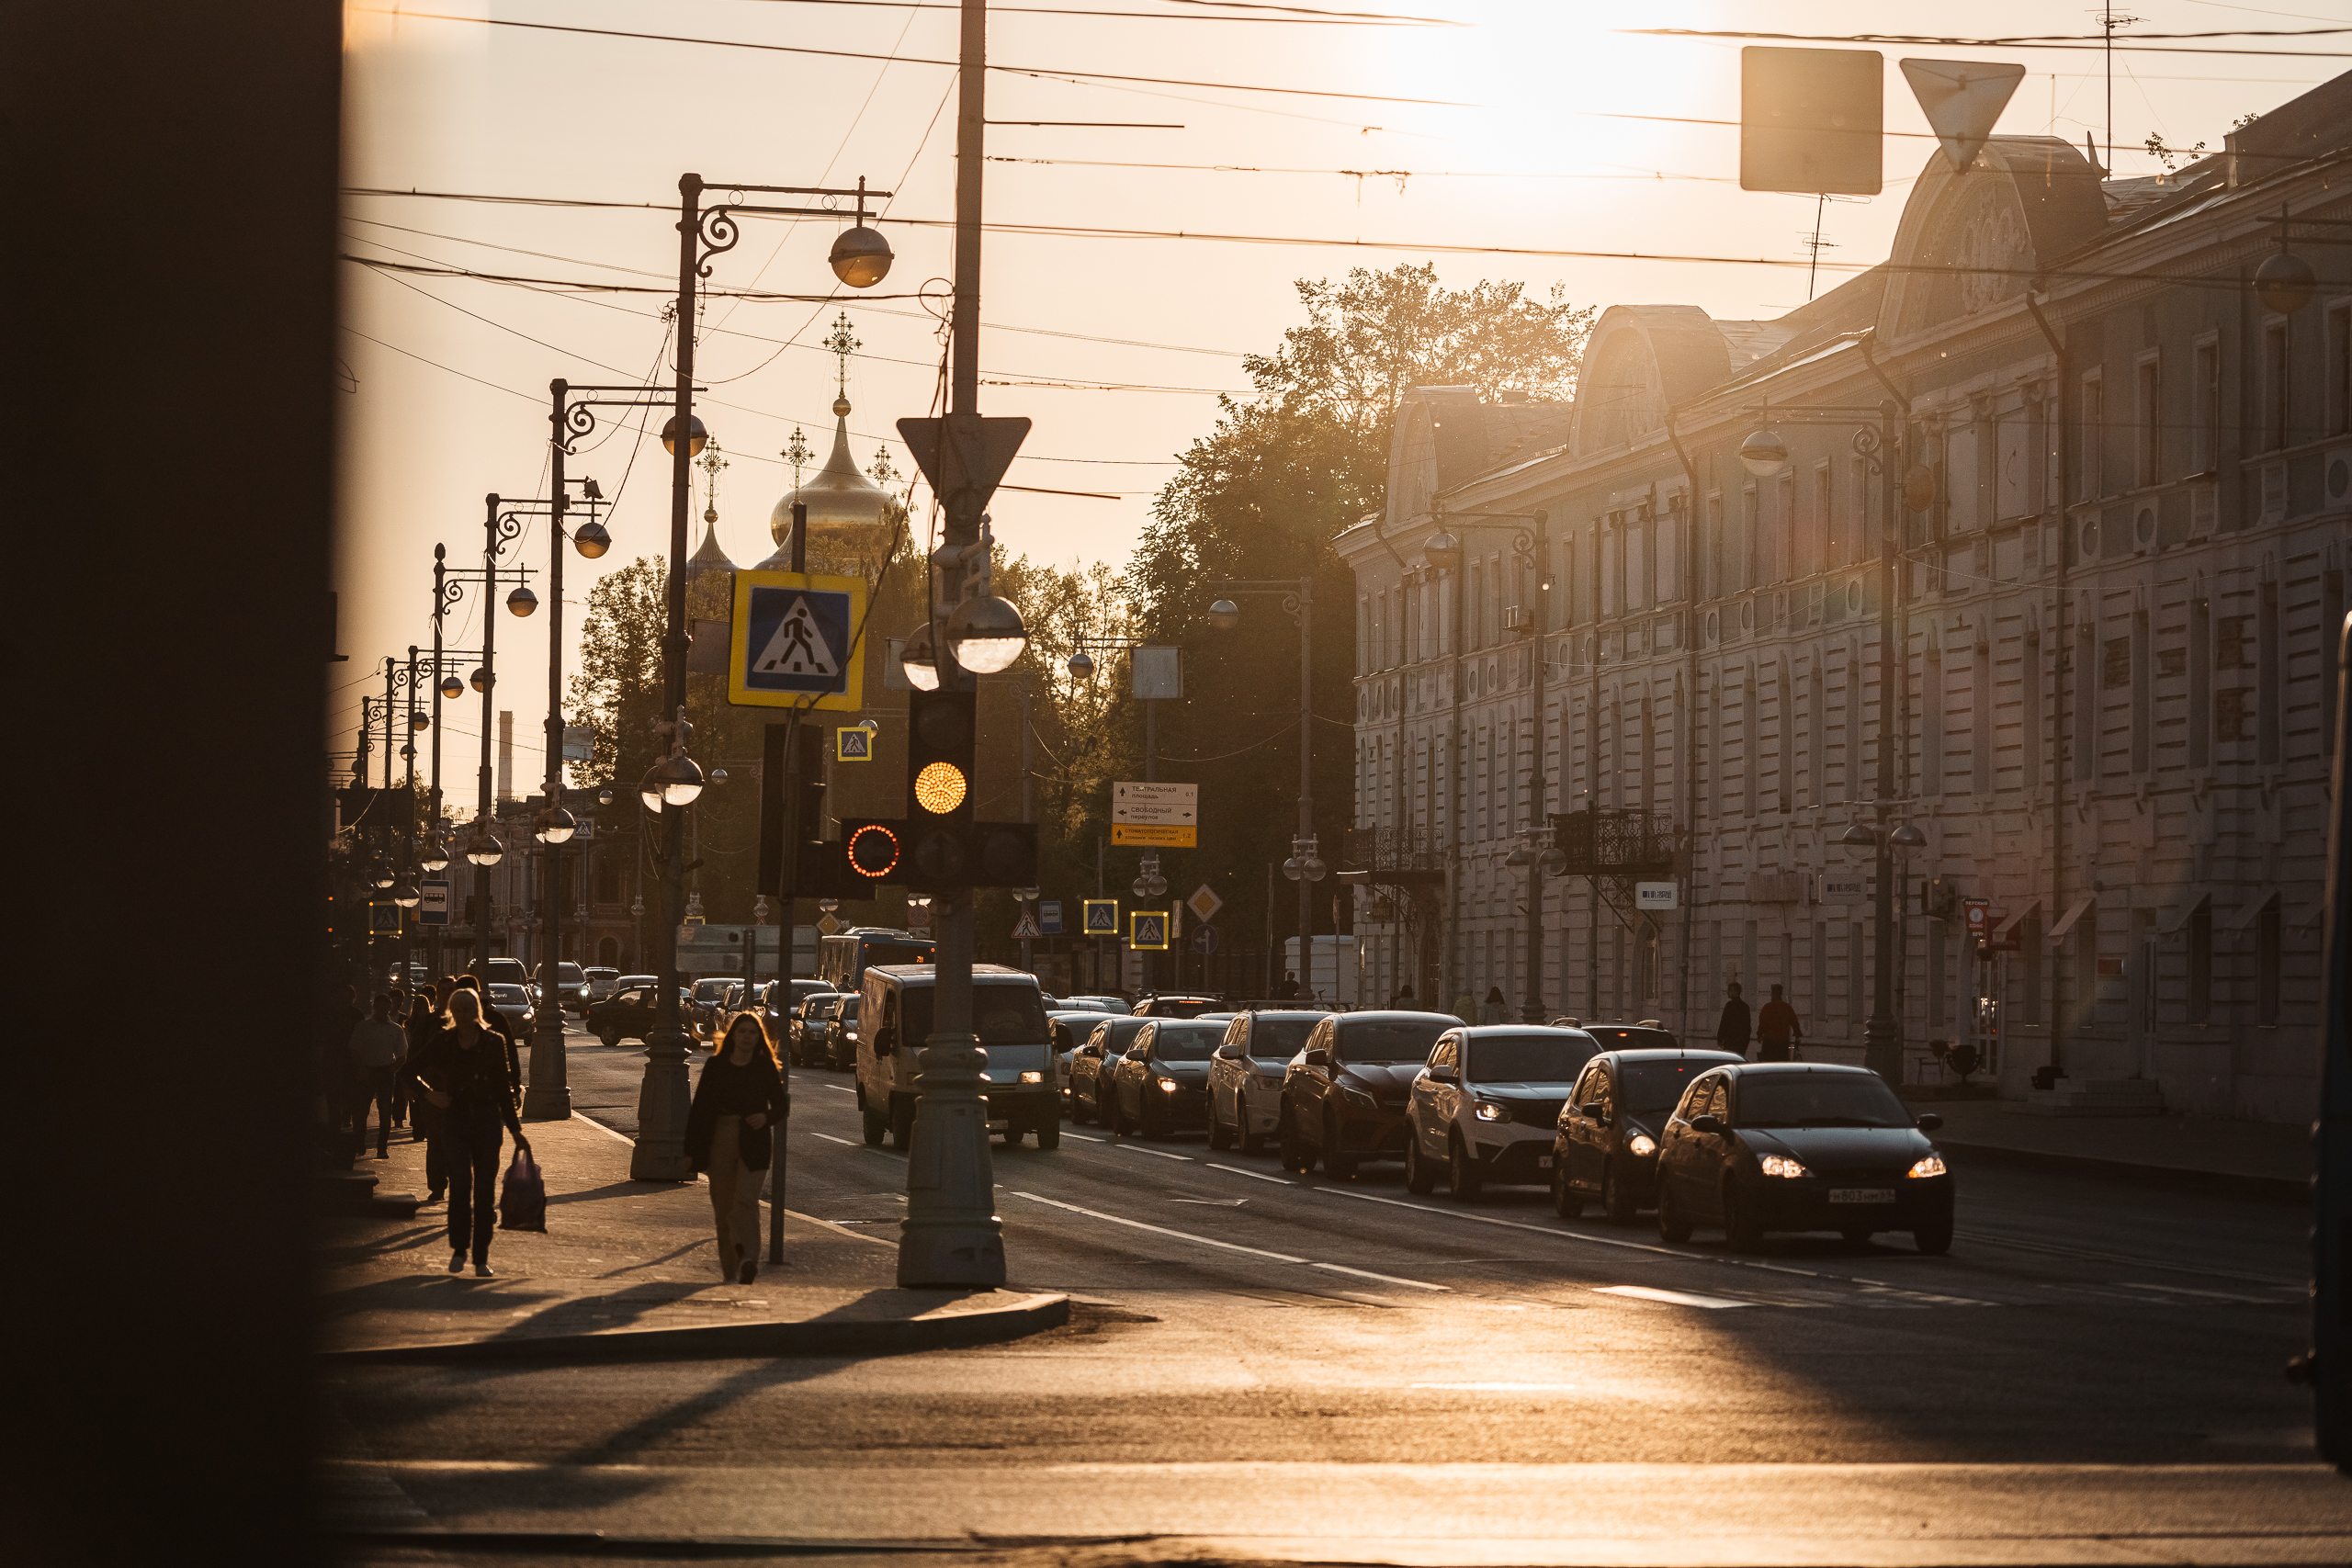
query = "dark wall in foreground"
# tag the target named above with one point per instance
(171, 174)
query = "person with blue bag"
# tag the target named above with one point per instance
(463, 1074)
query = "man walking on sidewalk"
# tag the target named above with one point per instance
(378, 1047)
(1775, 1031)
(1731, 1029)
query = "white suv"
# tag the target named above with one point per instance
(1488, 1105)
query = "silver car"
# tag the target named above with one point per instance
(1246, 1074)
(1487, 1106)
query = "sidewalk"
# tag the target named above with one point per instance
(629, 1271)
(2260, 1159)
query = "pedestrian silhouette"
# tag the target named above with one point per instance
(1731, 1029)
(1776, 1030)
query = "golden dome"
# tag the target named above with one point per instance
(848, 513)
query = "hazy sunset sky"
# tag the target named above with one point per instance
(446, 388)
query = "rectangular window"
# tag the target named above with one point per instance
(1856, 991)
(2268, 679)
(2230, 713)
(2267, 957)
(2148, 423)
(2339, 370)
(2030, 956)
(1980, 712)
(1856, 529)
(1936, 713)
(2030, 719)
(2200, 682)
(1715, 584)
(1750, 533)
(1780, 541)
(2331, 626)
(1820, 554)
(2201, 962)
(2276, 388)
(2205, 429)
(2086, 694)
(1938, 962)
(2143, 718)
(2085, 966)
(2094, 437)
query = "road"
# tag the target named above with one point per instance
(1293, 1367)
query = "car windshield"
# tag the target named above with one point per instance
(1400, 1040)
(821, 1007)
(1528, 1058)
(568, 972)
(1653, 1089)
(1278, 1039)
(507, 996)
(709, 990)
(1818, 1100)
(1002, 1015)
(1121, 1031)
(1185, 1045)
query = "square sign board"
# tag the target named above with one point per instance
(1102, 917)
(795, 642)
(1657, 897)
(1148, 930)
(1162, 815)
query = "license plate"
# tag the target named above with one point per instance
(1543, 1162)
(1861, 1194)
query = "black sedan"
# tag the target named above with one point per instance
(1763, 1146)
(1161, 1084)
(1344, 1095)
(1605, 1146)
(1091, 1065)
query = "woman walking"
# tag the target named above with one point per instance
(463, 1074)
(1494, 1010)
(730, 1136)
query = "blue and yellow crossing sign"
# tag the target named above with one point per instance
(796, 642)
(854, 743)
(1147, 929)
(1102, 917)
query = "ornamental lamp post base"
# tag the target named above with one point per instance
(1882, 1048)
(548, 1096)
(662, 1101)
(951, 1238)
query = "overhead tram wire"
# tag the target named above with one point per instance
(1299, 15)
(2121, 46)
(869, 54)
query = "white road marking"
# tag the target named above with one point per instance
(1162, 1154)
(1672, 1298)
(1497, 1387)
(838, 1089)
(1212, 1203)
(608, 1132)
(1252, 1175)
(2208, 1295)
(1082, 1137)
(842, 1142)
(1228, 1245)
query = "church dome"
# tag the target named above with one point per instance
(848, 513)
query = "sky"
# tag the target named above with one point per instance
(1541, 128)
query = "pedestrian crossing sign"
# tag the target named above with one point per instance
(795, 641)
(1102, 917)
(854, 743)
(1148, 930)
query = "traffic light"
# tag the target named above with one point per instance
(794, 861)
(938, 845)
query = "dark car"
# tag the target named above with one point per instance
(1246, 1074)
(1161, 1084)
(1176, 1007)
(627, 1014)
(1606, 1144)
(832, 1039)
(1763, 1146)
(1069, 1030)
(1485, 1108)
(707, 1002)
(1344, 1095)
(1644, 1036)
(1090, 1065)
(798, 1030)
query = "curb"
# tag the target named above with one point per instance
(813, 1337)
(2172, 1178)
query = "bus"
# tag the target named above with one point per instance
(842, 958)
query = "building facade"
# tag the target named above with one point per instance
(2101, 490)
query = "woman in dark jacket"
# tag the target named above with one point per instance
(463, 1074)
(730, 1135)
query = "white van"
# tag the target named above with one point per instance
(1009, 1015)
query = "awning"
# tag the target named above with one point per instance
(2013, 921)
(2191, 901)
(2253, 905)
(2073, 912)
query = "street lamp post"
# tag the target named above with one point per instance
(859, 258)
(448, 587)
(1304, 866)
(1881, 446)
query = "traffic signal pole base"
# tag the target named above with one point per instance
(1882, 1048)
(661, 1104)
(547, 1096)
(951, 1238)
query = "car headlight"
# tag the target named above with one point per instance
(1932, 1165)
(1358, 1098)
(1782, 1164)
(1033, 1078)
(1489, 1111)
(1641, 1146)
(1168, 1086)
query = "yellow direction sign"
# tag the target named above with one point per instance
(1161, 815)
(1155, 835)
(796, 642)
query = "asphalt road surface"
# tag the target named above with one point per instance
(1263, 1366)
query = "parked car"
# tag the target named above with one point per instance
(1763, 1146)
(628, 980)
(1087, 1092)
(1246, 1074)
(1645, 1036)
(627, 1014)
(1097, 1004)
(602, 982)
(1017, 1089)
(1487, 1106)
(506, 971)
(838, 1048)
(1161, 1084)
(513, 1004)
(1604, 1145)
(1156, 1006)
(1344, 1095)
(780, 1011)
(706, 1000)
(1069, 1030)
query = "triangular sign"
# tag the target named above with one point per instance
(964, 456)
(1025, 929)
(796, 646)
(1963, 99)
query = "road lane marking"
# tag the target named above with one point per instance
(1082, 1137)
(1253, 1174)
(842, 1142)
(1162, 1154)
(838, 1089)
(1672, 1298)
(1232, 1246)
(1498, 1387)
(2208, 1295)
(1212, 1203)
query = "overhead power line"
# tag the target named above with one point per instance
(1299, 15)
(904, 59)
(2119, 45)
